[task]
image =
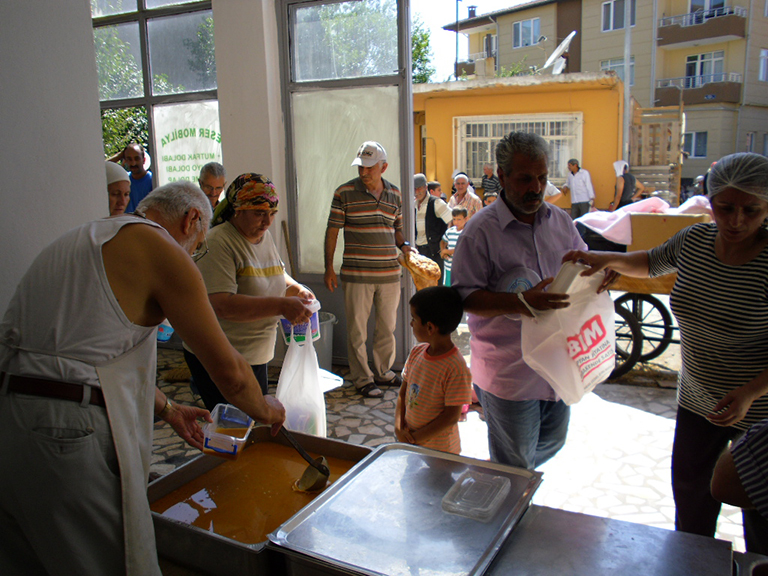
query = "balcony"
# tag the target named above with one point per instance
(704, 89)
(702, 27)
(481, 64)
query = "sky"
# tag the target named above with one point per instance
(437, 13)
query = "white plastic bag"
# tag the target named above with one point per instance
(573, 348)
(298, 388)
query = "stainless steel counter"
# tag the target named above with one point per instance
(556, 542)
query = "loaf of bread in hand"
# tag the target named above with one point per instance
(424, 271)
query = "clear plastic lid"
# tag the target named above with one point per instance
(476, 495)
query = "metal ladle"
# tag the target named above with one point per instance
(317, 473)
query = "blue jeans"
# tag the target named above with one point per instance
(524, 433)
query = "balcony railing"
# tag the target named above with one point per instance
(701, 16)
(698, 81)
(480, 55)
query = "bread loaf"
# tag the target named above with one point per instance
(424, 271)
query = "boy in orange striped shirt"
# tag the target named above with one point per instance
(436, 380)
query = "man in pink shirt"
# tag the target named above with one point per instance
(514, 245)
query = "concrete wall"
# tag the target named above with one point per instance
(52, 171)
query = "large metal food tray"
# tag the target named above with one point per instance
(203, 550)
(385, 517)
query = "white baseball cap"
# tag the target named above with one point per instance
(369, 154)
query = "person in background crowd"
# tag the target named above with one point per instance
(78, 386)
(628, 188)
(722, 269)
(489, 198)
(464, 197)
(449, 240)
(118, 188)
(490, 183)
(527, 421)
(246, 281)
(370, 211)
(552, 193)
(132, 158)
(432, 219)
(436, 190)
(212, 180)
(579, 184)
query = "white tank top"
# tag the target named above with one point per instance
(63, 318)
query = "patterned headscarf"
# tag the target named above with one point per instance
(248, 191)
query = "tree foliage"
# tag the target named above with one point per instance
(421, 53)
(203, 60)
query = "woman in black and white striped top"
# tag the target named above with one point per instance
(720, 301)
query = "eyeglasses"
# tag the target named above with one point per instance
(200, 251)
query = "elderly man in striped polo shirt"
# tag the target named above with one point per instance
(370, 210)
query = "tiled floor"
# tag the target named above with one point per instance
(615, 462)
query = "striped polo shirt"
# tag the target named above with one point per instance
(750, 455)
(722, 312)
(370, 254)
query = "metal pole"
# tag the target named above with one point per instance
(627, 77)
(456, 63)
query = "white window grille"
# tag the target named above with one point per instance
(476, 137)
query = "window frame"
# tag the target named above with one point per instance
(517, 31)
(613, 25)
(694, 136)
(762, 71)
(148, 101)
(613, 64)
(505, 120)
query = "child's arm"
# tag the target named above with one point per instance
(402, 433)
(443, 421)
(444, 248)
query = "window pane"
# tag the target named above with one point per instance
(700, 148)
(118, 61)
(606, 16)
(111, 7)
(181, 53)
(160, 3)
(688, 143)
(526, 32)
(618, 14)
(187, 136)
(536, 34)
(121, 126)
(329, 126)
(345, 40)
(516, 31)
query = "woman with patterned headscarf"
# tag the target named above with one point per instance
(246, 280)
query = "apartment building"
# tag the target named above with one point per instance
(709, 55)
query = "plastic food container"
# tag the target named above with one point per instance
(164, 332)
(228, 432)
(476, 495)
(300, 330)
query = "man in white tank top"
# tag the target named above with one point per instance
(77, 386)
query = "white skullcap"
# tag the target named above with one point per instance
(743, 171)
(116, 173)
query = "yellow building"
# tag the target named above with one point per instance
(711, 55)
(457, 124)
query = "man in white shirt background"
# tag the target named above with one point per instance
(579, 184)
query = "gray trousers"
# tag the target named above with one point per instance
(60, 499)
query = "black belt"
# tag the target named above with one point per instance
(52, 389)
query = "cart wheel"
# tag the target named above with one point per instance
(655, 323)
(629, 341)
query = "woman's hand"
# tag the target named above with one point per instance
(184, 420)
(295, 310)
(734, 407)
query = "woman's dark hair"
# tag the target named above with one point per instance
(440, 305)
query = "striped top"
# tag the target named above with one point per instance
(722, 312)
(491, 185)
(750, 455)
(434, 382)
(450, 237)
(370, 254)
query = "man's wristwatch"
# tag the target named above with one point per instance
(406, 243)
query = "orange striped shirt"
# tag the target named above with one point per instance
(370, 254)
(434, 382)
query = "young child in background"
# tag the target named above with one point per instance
(436, 380)
(451, 236)
(489, 198)
(436, 190)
